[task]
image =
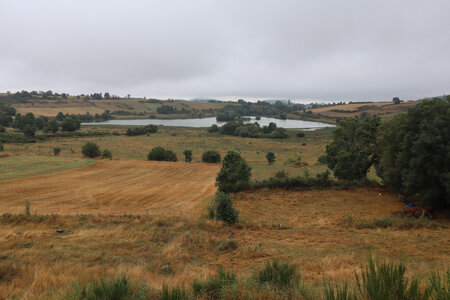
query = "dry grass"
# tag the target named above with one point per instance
(175, 250)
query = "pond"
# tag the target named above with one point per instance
(207, 122)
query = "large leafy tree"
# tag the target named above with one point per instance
(352, 151)
(415, 152)
(234, 174)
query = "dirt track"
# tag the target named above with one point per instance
(114, 187)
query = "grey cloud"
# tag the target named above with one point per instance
(355, 50)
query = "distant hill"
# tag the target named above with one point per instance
(273, 101)
(201, 99)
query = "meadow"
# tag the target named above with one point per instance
(253, 150)
(22, 166)
(68, 221)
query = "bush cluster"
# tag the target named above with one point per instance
(187, 155)
(90, 149)
(252, 130)
(141, 130)
(161, 154)
(211, 156)
(282, 180)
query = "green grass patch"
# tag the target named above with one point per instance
(26, 166)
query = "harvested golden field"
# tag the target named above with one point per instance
(114, 187)
(135, 108)
(53, 111)
(382, 109)
(171, 249)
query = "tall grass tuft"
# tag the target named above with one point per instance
(216, 286)
(438, 288)
(115, 289)
(384, 280)
(338, 293)
(27, 208)
(176, 293)
(281, 276)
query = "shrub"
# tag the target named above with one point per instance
(107, 154)
(91, 150)
(225, 211)
(2, 129)
(234, 174)
(270, 157)
(29, 131)
(2, 147)
(187, 155)
(56, 151)
(141, 130)
(161, 154)
(216, 286)
(322, 159)
(211, 156)
(300, 134)
(213, 128)
(281, 276)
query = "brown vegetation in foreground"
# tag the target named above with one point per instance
(305, 228)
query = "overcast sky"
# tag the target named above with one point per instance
(321, 50)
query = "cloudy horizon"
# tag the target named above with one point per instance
(315, 50)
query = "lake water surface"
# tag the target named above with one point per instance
(207, 122)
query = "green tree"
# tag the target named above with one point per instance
(414, 151)
(56, 151)
(234, 174)
(41, 122)
(91, 150)
(211, 156)
(270, 157)
(353, 149)
(29, 131)
(187, 155)
(52, 126)
(396, 100)
(60, 117)
(71, 123)
(225, 210)
(161, 154)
